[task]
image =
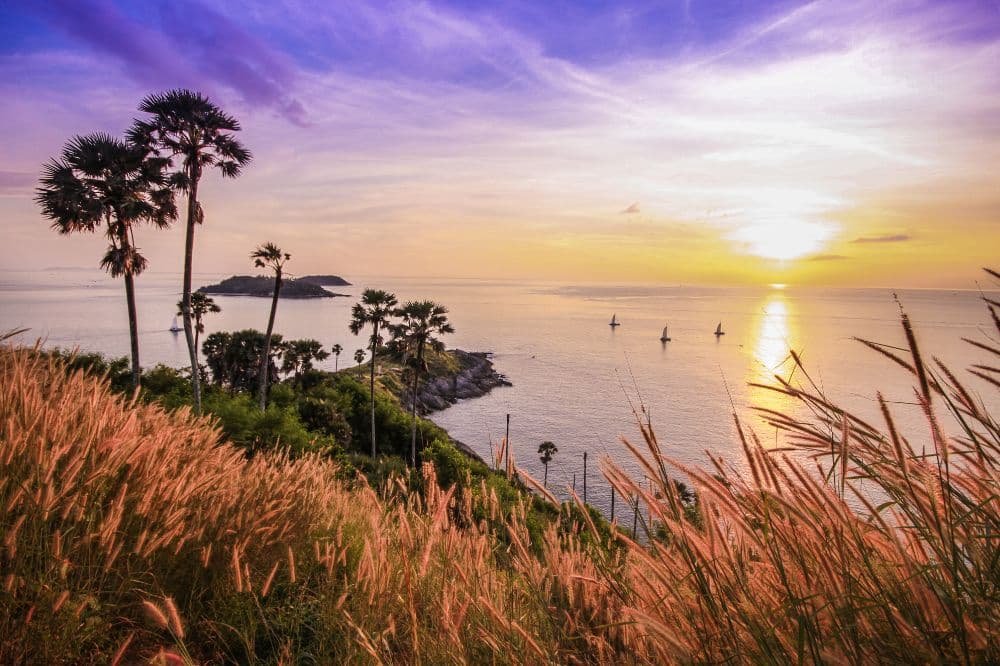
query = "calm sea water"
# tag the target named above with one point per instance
(575, 378)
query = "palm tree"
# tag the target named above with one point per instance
(201, 305)
(359, 356)
(374, 310)
(421, 322)
(545, 452)
(188, 125)
(270, 256)
(336, 349)
(100, 178)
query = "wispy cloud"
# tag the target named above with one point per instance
(769, 131)
(888, 238)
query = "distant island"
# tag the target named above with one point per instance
(325, 280)
(259, 285)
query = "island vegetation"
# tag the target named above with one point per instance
(262, 286)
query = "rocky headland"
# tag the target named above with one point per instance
(475, 377)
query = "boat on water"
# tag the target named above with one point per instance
(174, 328)
(614, 321)
(718, 330)
(664, 337)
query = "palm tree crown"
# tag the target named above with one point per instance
(375, 309)
(187, 124)
(102, 179)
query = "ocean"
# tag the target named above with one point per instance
(576, 380)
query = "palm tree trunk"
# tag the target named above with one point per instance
(133, 328)
(372, 387)
(192, 214)
(265, 360)
(413, 407)
(545, 483)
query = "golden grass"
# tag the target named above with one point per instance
(129, 535)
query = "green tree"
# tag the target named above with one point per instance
(375, 309)
(359, 356)
(421, 322)
(270, 256)
(201, 305)
(545, 452)
(234, 358)
(336, 349)
(102, 179)
(299, 356)
(188, 125)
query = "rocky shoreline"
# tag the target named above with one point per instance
(476, 378)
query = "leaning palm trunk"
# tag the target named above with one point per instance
(192, 343)
(265, 359)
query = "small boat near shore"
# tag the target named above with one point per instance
(718, 330)
(664, 337)
(614, 321)
(175, 328)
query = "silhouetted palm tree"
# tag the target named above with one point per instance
(421, 322)
(188, 125)
(270, 256)
(201, 305)
(545, 452)
(336, 349)
(102, 179)
(374, 310)
(359, 356)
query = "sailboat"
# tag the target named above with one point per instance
(718, 330)
(174, 328)
(664, 337)
(614, 321)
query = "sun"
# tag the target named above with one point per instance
(783, 240)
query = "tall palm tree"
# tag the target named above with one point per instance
(336, 349)
(201, 305)
(187, 125)
(421, 322)
(545, 452)
(374, 310)
(102, 179)
(270, 256)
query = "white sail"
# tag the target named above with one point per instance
(718, 329)
(175, 327)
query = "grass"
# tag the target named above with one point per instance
(128, 534)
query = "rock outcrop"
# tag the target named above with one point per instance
(476, 377)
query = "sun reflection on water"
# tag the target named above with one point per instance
(774, 336)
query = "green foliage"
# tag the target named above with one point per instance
(234, 358)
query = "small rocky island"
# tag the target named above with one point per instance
(263, 286)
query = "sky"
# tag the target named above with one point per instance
(836, 142)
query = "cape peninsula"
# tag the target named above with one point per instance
(262, 286)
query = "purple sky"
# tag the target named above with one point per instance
(689, 141)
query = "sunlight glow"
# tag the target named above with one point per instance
(783, 239)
